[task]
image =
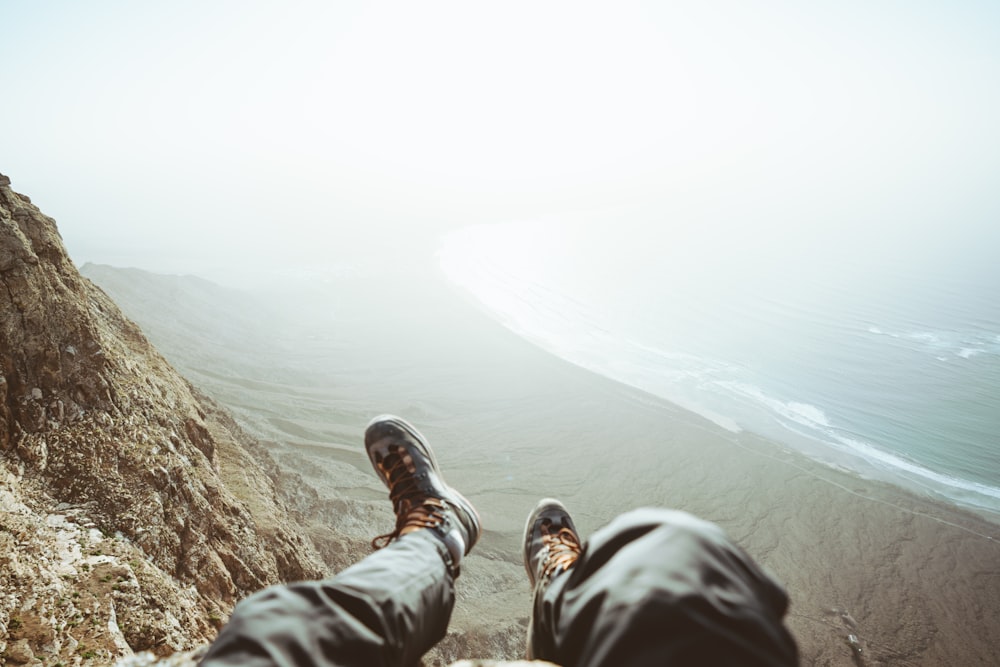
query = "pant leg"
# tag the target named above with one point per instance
(661, 587)
(387, 610)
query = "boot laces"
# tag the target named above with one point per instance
(412, 507)
(563, 550)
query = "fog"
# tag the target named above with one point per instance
(203, 137)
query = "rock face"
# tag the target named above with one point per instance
(131, 516)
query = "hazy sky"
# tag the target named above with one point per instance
(177, 134)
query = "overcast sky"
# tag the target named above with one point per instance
(178, 134)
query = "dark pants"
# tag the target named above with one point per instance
(654, 587)
(660, 587)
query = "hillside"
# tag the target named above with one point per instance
(134, 512)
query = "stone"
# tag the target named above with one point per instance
(501, 663)
(19, 652)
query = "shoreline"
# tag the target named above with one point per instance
(876, 465)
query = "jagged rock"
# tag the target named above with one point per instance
(191, 658)
(118, 530)
(181, 659)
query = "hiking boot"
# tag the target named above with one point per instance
(420, 498)
(551, 543)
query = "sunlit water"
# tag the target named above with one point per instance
(864, 363)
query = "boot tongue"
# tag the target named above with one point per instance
(400, 473)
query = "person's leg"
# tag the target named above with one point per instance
(388, 609)
(653, 587)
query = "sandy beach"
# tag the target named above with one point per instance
(911, 580)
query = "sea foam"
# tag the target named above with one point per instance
(895, 464)
(804, 414)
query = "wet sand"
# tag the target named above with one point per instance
(913, 580)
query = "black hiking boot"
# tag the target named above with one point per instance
(420, 498)
(551, 543)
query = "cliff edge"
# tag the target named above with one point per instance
(132, 516)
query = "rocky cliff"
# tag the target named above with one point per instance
(132, 515)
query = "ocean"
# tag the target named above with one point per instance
(881, 359)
